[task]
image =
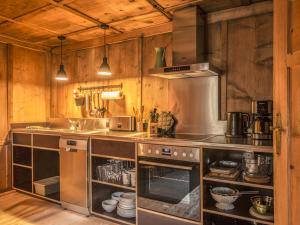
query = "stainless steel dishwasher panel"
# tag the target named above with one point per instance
(73, 174)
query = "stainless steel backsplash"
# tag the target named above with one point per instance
(195, 104)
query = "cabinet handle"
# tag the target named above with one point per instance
(277, 133)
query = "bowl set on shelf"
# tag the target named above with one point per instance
(256, 169)
(124, 202)
(262, 206)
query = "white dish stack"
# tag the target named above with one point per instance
(127, 205)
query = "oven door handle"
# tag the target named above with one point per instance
(165, 165)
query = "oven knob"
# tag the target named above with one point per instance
(175, 153)
(157, 152)
(191, 155)
(184, 154)
(149, 151)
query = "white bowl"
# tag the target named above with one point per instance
(109, 205)
(117, 195)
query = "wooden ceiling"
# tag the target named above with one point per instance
(40, 21)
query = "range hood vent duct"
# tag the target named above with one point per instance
(189, 47)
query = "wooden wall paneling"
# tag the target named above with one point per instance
(29, 80)
(4, 150)
(3, 93)
(155, 90)
(248, 78)
(81, 67)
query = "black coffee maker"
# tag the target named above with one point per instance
(237, 124)
(262, 120)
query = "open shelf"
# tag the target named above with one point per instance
(215, 211)
(22, 155)
(114, 185)
(242, 204)
(22, 178)
(113, 215)
(211, 218)
(239, 181)
(101, 192)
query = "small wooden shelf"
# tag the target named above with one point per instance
(113, 216)
(239, 181)
(114, 185)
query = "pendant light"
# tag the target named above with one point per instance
(61, 73)
(104, 69)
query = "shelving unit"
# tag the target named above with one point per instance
(35, 157)
(243, 204)
(102, 152)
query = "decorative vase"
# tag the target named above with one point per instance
(160, 60)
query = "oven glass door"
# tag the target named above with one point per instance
(170, 187)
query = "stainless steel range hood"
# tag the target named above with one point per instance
(189, 47)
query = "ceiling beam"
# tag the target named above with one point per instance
(74, 11)
(23, 43)
(161, 9)
(29, 25)
(240, 12)
(182, 5)
(116, 38)
(112, 23)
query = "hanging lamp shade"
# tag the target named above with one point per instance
(61, 73)
(104, 68)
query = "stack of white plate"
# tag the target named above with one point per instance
(127, 205)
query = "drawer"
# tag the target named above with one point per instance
(46, 141)
(114, 148)
(22, 139)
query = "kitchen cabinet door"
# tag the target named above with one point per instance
(287, 111)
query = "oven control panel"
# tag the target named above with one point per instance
(189, 154)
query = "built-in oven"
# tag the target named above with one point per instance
(169, 180)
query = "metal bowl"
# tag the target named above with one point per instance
(262, 204)
(224, 195)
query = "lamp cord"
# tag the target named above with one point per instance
(60, 52)
(104, 42)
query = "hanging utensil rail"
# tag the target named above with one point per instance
(101, 87)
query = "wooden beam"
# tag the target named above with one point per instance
(116, 38)
(239, 12)
(161, 9)
(64, 6)
(23, 43)
(97, 27)
(29, 25)
(182, 5)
